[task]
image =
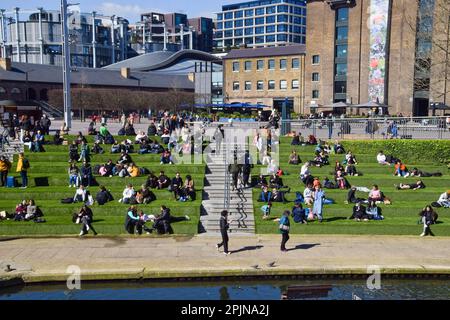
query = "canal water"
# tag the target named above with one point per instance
(405, 289)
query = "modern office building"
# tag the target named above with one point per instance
(34, 36)
(261, 23)
(393, 52)
(171, 32)
(268, 76)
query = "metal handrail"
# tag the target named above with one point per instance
(226, 198)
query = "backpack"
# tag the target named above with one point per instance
(25, 164)
(436, 204)
(67, 200)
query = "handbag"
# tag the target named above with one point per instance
(284, 227)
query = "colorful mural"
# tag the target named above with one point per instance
(378, 28)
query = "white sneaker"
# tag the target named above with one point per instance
(120, 200)
(187, 217)
(422, 234)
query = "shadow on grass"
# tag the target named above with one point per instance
(334, 219)
(248, 248)
(305, 246)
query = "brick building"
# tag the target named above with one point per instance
(267, 76)
(370, 50)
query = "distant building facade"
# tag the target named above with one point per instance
(96, 40)
(269, 76)
(260, 24)
(377, 50)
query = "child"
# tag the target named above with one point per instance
(266, 210)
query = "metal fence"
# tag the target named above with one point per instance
(373, 128)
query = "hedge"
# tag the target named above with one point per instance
(408, 150)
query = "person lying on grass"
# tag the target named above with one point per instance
(419, 173)
(414, 186)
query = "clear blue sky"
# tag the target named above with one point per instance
(130, 9)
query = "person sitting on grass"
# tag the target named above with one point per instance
(308, 195)
(278, 196)
(350, 158)
(166, 157)
(115, 147)
(401, 170)
(294, 158)
(375, 194)
(351, 196)
(419, 173)
(86, 174)
(57, 139)
(21, 211)
(152, 130)
(428, 217)
(38, 142)
(266, 209)
(265, 195)
(188, 190)
(128, 194)
(155, 147)
(305, 174)
(266, 160)
(33, 211)
(73, 152)
(133, 170)
(103, 196)
(272, 167)
(141, 137)
(381, 158)
(328, 184)
(85, 216)
(444, 199)
(84, 152)
(340, 181)
(338, 148)
(81, 194)
(312, 141)
(374, 212)
(338, 167)
(133, 221)
(80, 138)
(414, 186)
(164, 219)
(261, 181)
(74, 175)
(350, 169)
(163, 181)
(152, 181)
(97, 149)
(144, 195)
(126, 146)
(91, 129)
(176, 185)
(275, 181)
(125, 158)
(297, 139)
(299, 214)
(359, 213)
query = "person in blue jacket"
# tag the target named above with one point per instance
(284, 226)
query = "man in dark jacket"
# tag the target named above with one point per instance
(176, 185)
(45, 124)
(224, 227)
(103, 196)
(86, 174)
(163, 181)
(235, 170)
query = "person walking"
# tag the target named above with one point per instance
(235, 170)
(284, 226)
(23, 164)
(224, 227)
(5, 165)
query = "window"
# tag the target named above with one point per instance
(295, 63)
(15, 90)
(341, 69)
(219, 34)
(249, 13)
(238, 32)
(249, 22)
(282, 28)
(295, 84)
(270, 19)
(259, 39)
(282, 37)
(259, 21)
(238, 23)
(270, 38)
(283, 84)
(270, 29)
(315, 94)
(271, 85)
(228, 15)
(342, 14)
(235, 66)
(259, 11)
(270, 10)
(248, 40)
(228, 24)
(248, 65)
(283, 64)
(283, 18)
(219, 16)
(238, 14)
(228, 33)
(260, 65)
(283, 8)
(340, 87)
(219, 25)
(260, 85)
(341, 51)
(236, 86)
(238, 41)
(315, 76)
(248, 85)
(316, 59)
(259, 30)
(2, 90)
(271, 64)
(341, 33)
(248, 31)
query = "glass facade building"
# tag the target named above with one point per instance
(266, 23)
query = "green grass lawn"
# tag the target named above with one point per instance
(48, 184)
(400, 218)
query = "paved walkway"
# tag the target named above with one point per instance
(135, 258)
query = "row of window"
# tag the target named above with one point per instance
(257, 21)
(295, 84)
(13, 90)
(260, 40)
(260, 30)
(283, 63)
(261, 11)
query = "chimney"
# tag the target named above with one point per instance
(125, 72)
(5, 64)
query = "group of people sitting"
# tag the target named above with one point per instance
(27, 210)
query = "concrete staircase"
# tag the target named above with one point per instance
(240, 204)
(13, 146)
